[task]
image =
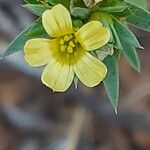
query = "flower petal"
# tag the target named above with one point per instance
(58, 75)
(92, 35)
(90, 70)
(37, 51)
(57, 21)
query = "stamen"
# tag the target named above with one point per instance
(66, 38)
(69, 49)
(63, 48)
(68, 44)
(70, 36)
(71, 44)
(62, 42)
(76, 41)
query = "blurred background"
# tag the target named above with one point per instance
(32, 117)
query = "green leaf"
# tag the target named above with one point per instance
(36, 9)
(77, 23)
(116, 8)
(18, 43)
(80, 12)
(109, 2)
(66, 3)
(31, 1)
(137, 3)
(125, 34)
(128, 48)
(117, 54)
(116, 40)
(37, 31)
(78, 3)
(140, 18)
(111, 82)
(131, 55)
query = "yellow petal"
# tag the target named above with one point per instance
(58, 75)
(37, 51)
(90, 70)
(57, 21)
(92, 35)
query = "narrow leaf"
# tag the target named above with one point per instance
(18, 43)
(131, 55)
(116, 39)
(125, 34)
(80, 12)
(66, 3)
(76, 11)
(31, 1)
(117, 54)
(117, 8)
(140, 18)
(111, 82)
(36, 9)
(128, 50)
(36, 30)
(77, 23)
(138, 3)
(108, 2)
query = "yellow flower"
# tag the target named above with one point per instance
(67, 53)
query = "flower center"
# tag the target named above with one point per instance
(68, 44)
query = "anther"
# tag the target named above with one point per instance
(76, 41)
(62, 42)
(63, 48)
(69, 49)
(70, 36)
(66, 38)
(71, 44)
